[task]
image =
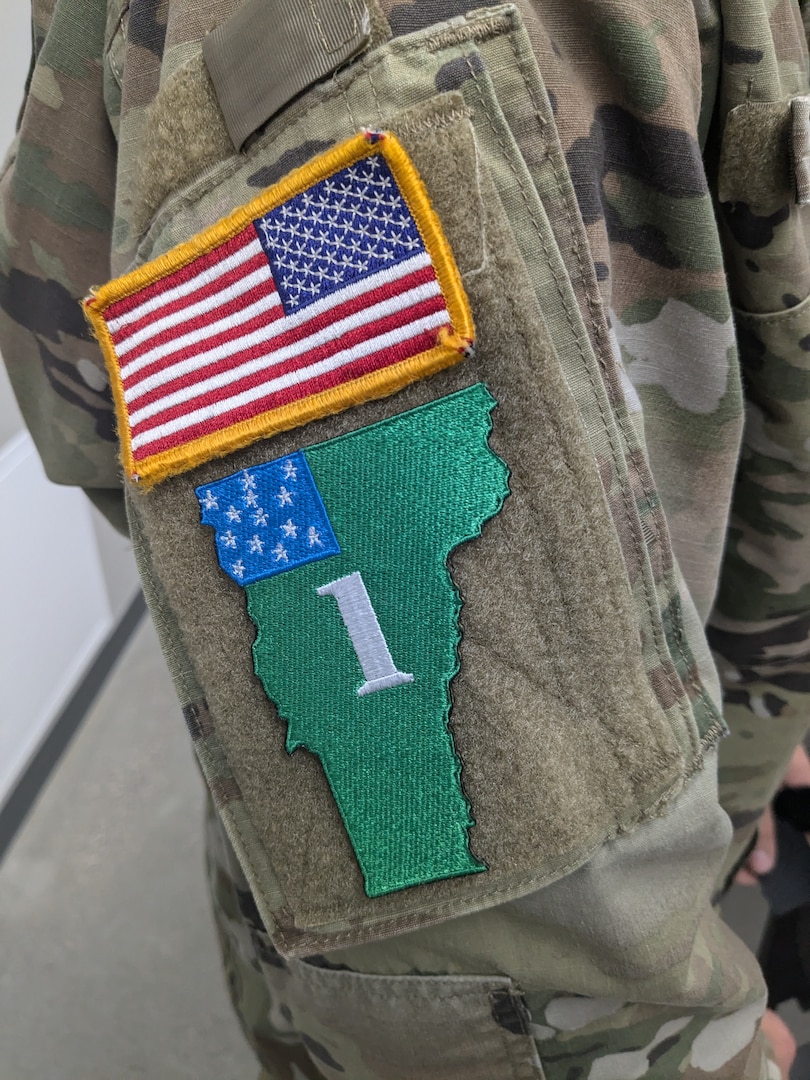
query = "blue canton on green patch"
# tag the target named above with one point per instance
(268, 520)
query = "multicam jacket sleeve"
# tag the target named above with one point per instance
(57, 194)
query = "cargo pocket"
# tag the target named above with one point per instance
(409, 1027)
(436, 699)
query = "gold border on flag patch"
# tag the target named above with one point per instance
(333, 287)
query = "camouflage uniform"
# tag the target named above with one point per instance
(650, 160)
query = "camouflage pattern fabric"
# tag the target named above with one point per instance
(612, 158)
(760, 628)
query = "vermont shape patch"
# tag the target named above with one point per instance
(342, 551)
(331, 288)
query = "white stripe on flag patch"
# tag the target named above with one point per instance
(291, 322)
(293, 378)
(205, 277)
(262, 276)
(196, 337)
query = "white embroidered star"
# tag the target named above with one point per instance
(250, 498)
(280, 552)
(290, 529)
(284, 497)
(314, 537)
(232, 514)
(290, 471)
(228, 539)
(256, 546)
(260, 517)
(248, 482)
(210, 501)
(238, 568)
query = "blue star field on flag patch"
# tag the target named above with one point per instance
(268, 519)
(340, 230)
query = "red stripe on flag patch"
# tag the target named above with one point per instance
(201, 355)
(267, 340)
(296, 393)
(199, 336)
(212, 262)
(349, 352)
(233, 282)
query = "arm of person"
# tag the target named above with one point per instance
(56, 194)
(760, 626)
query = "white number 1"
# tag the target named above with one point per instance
(367, 637)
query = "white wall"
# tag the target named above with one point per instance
(66, 577)
(11, 421)
(15, 50)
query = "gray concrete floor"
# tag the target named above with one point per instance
(110, 967)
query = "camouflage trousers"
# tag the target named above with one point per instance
(620, 970)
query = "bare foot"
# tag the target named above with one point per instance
(781, 1040)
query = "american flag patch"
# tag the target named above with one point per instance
(333, 287)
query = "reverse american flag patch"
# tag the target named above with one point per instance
(333, 287)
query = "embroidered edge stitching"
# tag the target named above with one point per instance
(450, 348)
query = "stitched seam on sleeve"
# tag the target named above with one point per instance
(651, 601)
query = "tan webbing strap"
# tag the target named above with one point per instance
(269, 51)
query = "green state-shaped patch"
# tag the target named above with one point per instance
(358, 629)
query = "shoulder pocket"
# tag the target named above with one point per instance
(432, 697)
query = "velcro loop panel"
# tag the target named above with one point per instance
(755, 155)
(269, 51)
(765, 154)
